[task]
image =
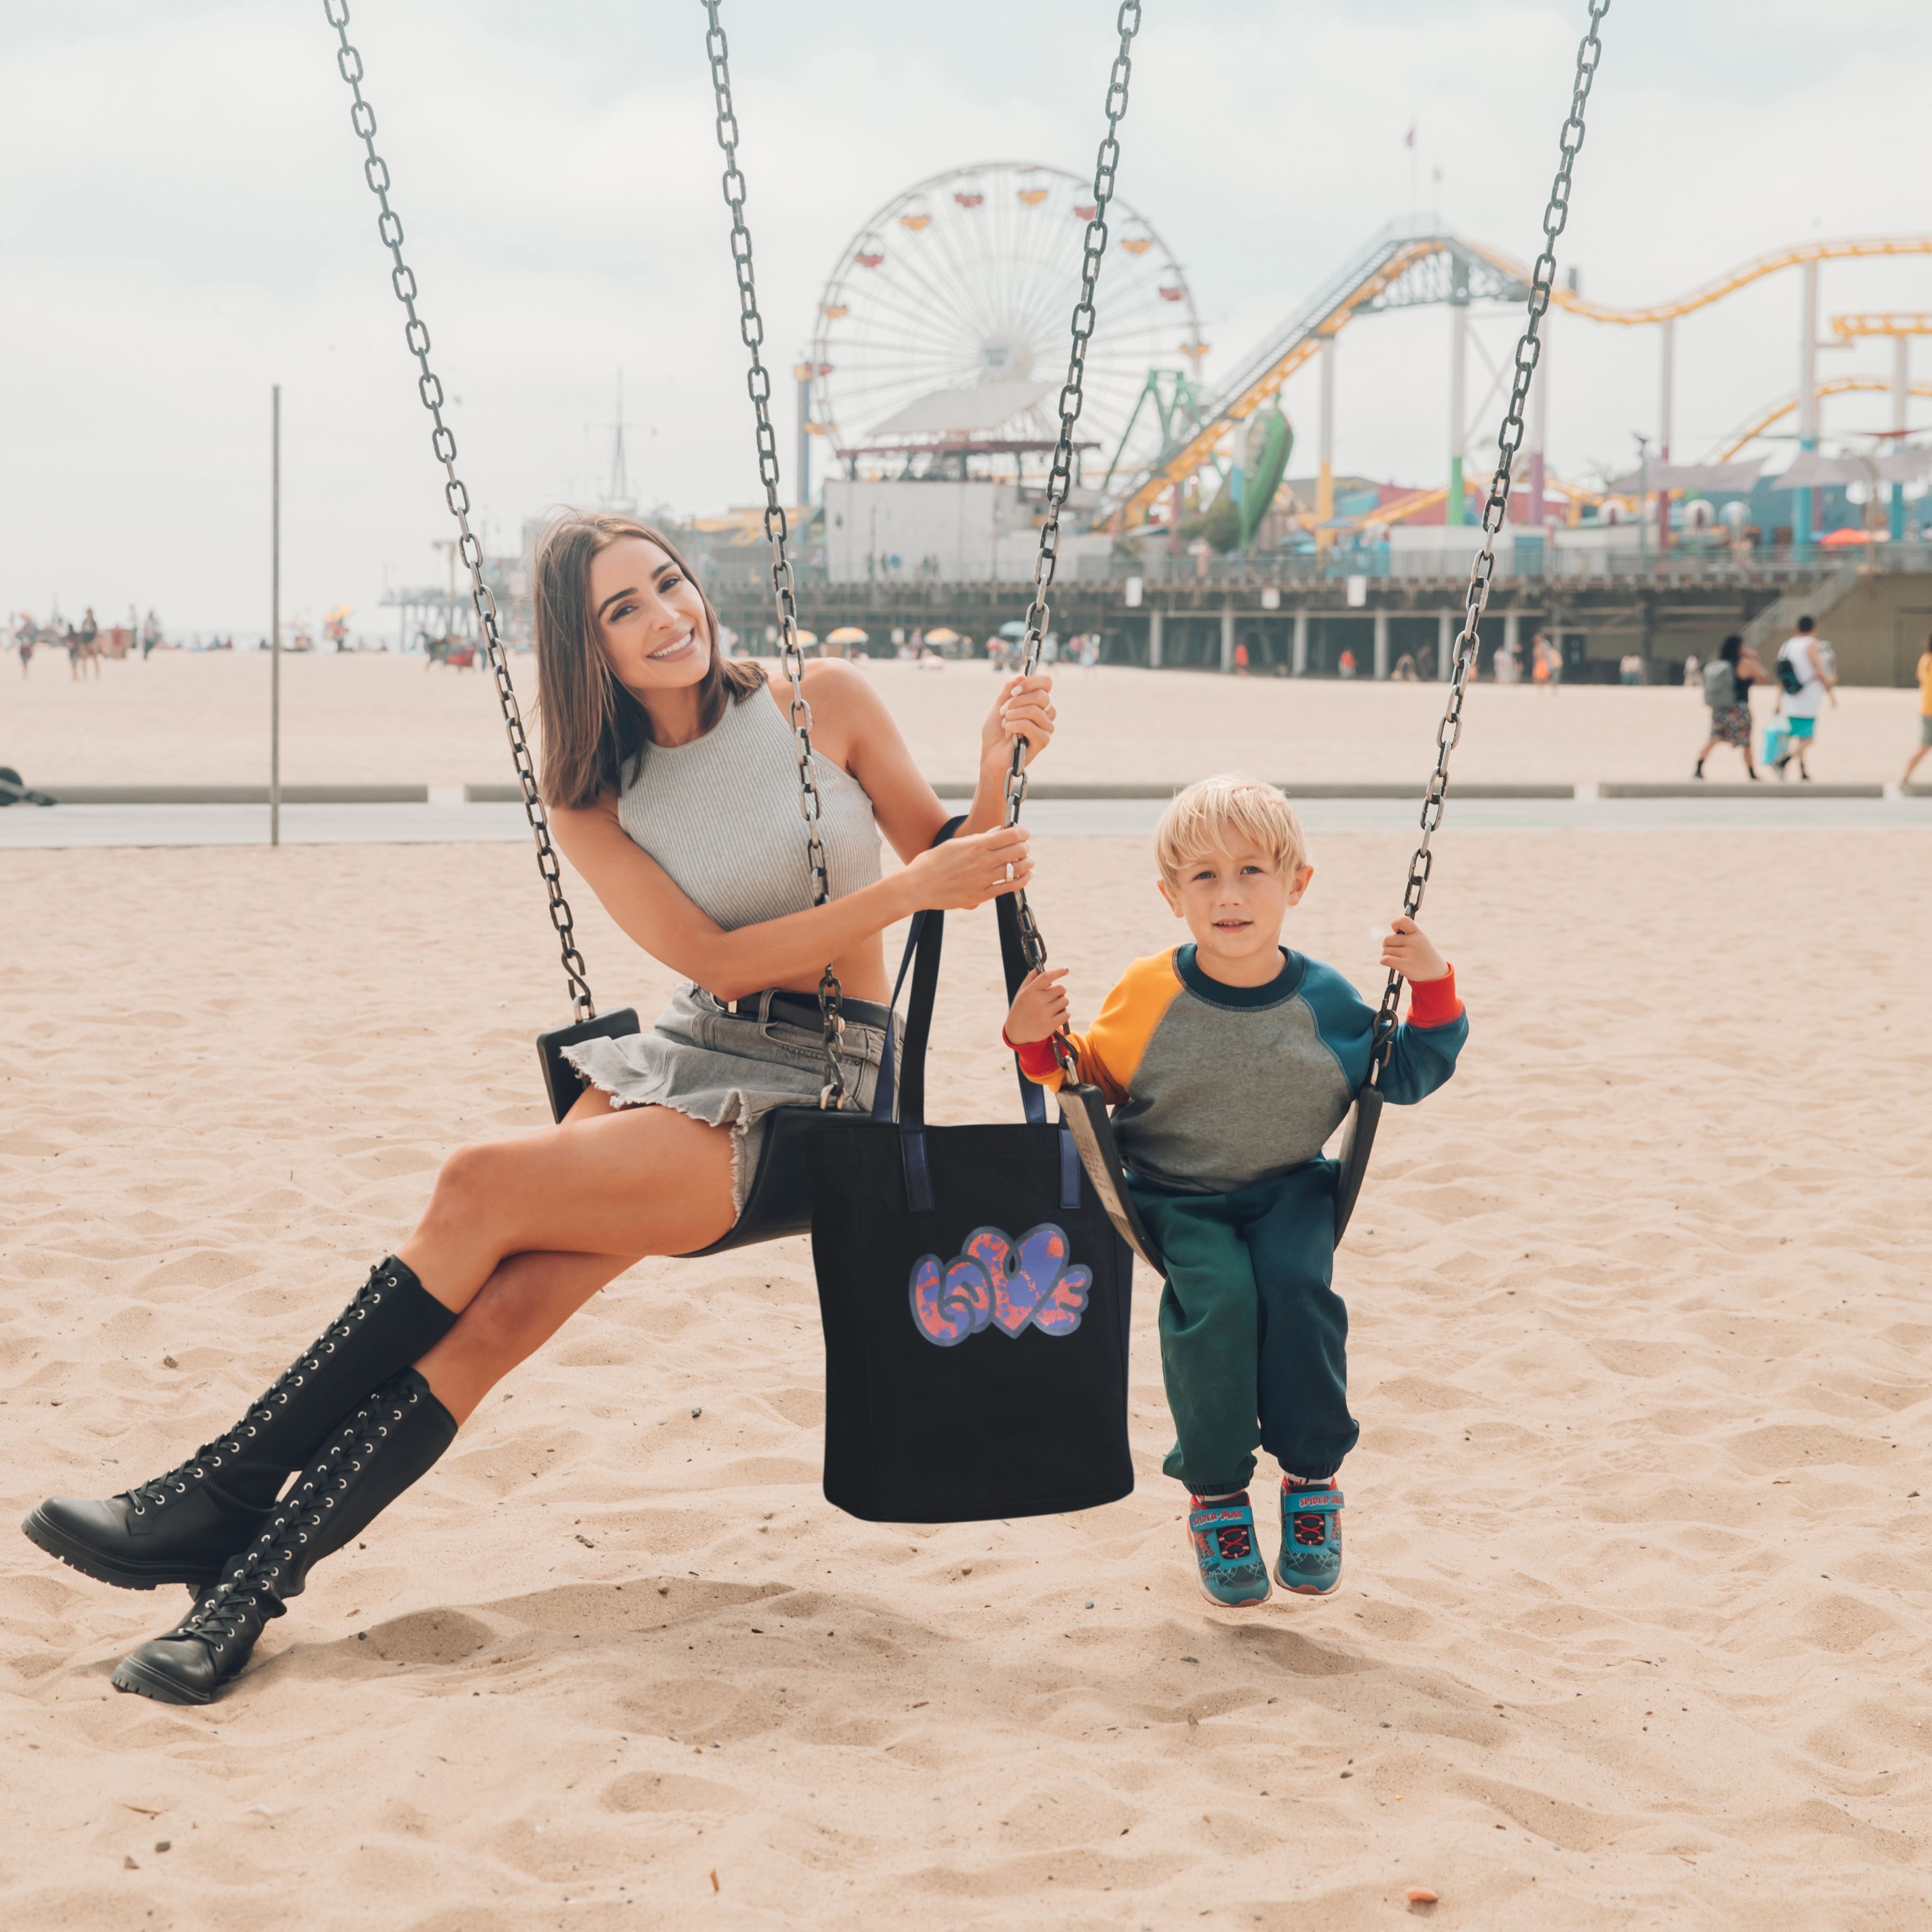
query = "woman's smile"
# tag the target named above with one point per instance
(685, 642)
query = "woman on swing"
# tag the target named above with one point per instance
(671, 777)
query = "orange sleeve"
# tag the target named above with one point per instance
(1109, 1052)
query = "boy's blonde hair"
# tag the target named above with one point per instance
(1231, 804)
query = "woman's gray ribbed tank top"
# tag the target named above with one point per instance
(721, 815)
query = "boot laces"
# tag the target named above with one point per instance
(255, 1583)
(157, 1491)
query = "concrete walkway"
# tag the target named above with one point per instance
(447, 821)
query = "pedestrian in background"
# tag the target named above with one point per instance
(1925, 711)
(1727, 680)
(1551, 651)
(1807, 684)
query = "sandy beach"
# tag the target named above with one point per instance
(1636, 1613)
(184, 718)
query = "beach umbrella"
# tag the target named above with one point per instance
(942, 636)
(807, 637)
(1843, 539)
(847, 634)
(1017, 628)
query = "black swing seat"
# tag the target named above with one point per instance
(1358, 1139)
(777, 1203)
(560, 1078)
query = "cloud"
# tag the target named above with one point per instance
(185, 223)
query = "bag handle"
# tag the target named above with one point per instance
(898, 1092)
(902, 1096)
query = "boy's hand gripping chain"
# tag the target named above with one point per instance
(1128, 22)
(752, 328)
(402, 279)
(1509, 441)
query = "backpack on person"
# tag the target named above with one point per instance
(1787, 675)
(1720, 685)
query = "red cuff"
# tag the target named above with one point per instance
(1433, 1003)
(1036, 1058)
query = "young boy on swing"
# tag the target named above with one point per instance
(1229, 1062)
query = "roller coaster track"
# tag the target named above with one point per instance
(1406, 266)
(1839, 386)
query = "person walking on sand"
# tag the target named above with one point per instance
(24, 636)
(90, 640)
(151, 635)
(1807, 683)
(1925, 711)
(669, 774)
(1727, 680)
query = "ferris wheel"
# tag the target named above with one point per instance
(943, 324)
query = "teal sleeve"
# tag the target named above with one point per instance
(1421, 1059)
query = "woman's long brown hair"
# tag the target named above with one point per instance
(594, 731)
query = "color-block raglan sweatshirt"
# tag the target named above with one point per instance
(1215, 1086)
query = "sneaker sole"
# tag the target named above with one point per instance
(1222, 1604)
(143, 1682)
(44, 1535)
(1305, 1589)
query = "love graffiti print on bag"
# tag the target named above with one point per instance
(1010, 1284)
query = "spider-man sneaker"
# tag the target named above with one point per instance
(1310, 1562)
(1222, 1532)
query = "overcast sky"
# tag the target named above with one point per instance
(185, 223)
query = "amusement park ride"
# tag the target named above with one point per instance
(935, 355)
(941, 330)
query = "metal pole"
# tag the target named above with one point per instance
(1445, 642)
(1297, 663)
(801, 375)
(275, 615)
(1324, 475)
(1381, 646)
(1539, 432)
(1808, 398)
(1154, 628)
(1666, 369)
(1459, 344)
(1901, 391)
(1227, 637)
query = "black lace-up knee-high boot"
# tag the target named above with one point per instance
(392, 1439)
(183, 1527)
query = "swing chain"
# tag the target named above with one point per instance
(1495, 510)
(1127, 22)
(758, 382)
(429, 388)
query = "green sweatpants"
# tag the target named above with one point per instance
(1253, 1339)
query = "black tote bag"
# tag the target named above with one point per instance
(976, 1300)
